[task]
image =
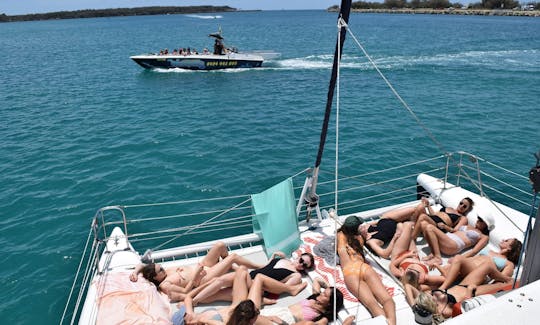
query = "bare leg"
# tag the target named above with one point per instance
(240, 260)
(213, 287)
(403, 243)
(219, 250)
(362, 292)
(432, 237)
(275, 286)
(478, 276)
(453, 272)
(418, 225)
(240, 286)
(400, 215)
(382, 296)
(224, 266)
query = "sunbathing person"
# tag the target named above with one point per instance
(380, 235)
(245, 309)
(501, 264)
(467, 288)
(407, 266)
(446, 219)
(176, 282)
(279, 268)
(454, 242)
(360, 278)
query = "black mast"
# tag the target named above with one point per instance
(312, 199)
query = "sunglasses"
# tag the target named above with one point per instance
(464, 204)
(304, 264)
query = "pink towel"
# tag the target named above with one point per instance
(121, 301)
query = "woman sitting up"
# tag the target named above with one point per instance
(446, 219)
(500, 264)
(279, 268)
(360, 278)
(178, 281)
(454, 242)
(407, 266)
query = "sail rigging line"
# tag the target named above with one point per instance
(394, 91)
(202, 224)
(343, 19)
(75, 280)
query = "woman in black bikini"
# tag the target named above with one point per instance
(446, 219)
(380, 235)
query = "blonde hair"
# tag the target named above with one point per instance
(427, 302)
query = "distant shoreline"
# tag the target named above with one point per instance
(116, 12)
(147, 11)
(470, 12)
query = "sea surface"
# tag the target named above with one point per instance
(82, 126)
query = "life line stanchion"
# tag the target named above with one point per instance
(534, 178)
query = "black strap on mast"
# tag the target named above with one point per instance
(312, 199)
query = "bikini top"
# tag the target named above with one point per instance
(500, 262)
(404, 265)
(309, 313)
(216, 316)
(471, 234)
(269, 270)
(453, 216)
(385, 228)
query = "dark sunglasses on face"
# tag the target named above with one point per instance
(302, 262)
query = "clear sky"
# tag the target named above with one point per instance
(17, 7)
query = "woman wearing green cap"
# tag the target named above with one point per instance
(360, 278)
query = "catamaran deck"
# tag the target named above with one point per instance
(120, 257)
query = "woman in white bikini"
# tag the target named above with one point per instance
(454, 242)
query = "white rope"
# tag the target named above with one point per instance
(76, 276)
(430, 135)
(202, 224)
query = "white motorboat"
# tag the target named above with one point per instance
(222, 57)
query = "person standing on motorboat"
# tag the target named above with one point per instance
(218, 47)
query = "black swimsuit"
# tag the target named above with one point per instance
(268, 270)
(385, 228)
(453, 218)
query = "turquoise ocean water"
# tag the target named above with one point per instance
(83, 127)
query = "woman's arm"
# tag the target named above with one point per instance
(395, 263)
(434, 281)
(135, 274)
(508, 269)
(319, 283)
(482, 242)
(411, 293)
(463, 221)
